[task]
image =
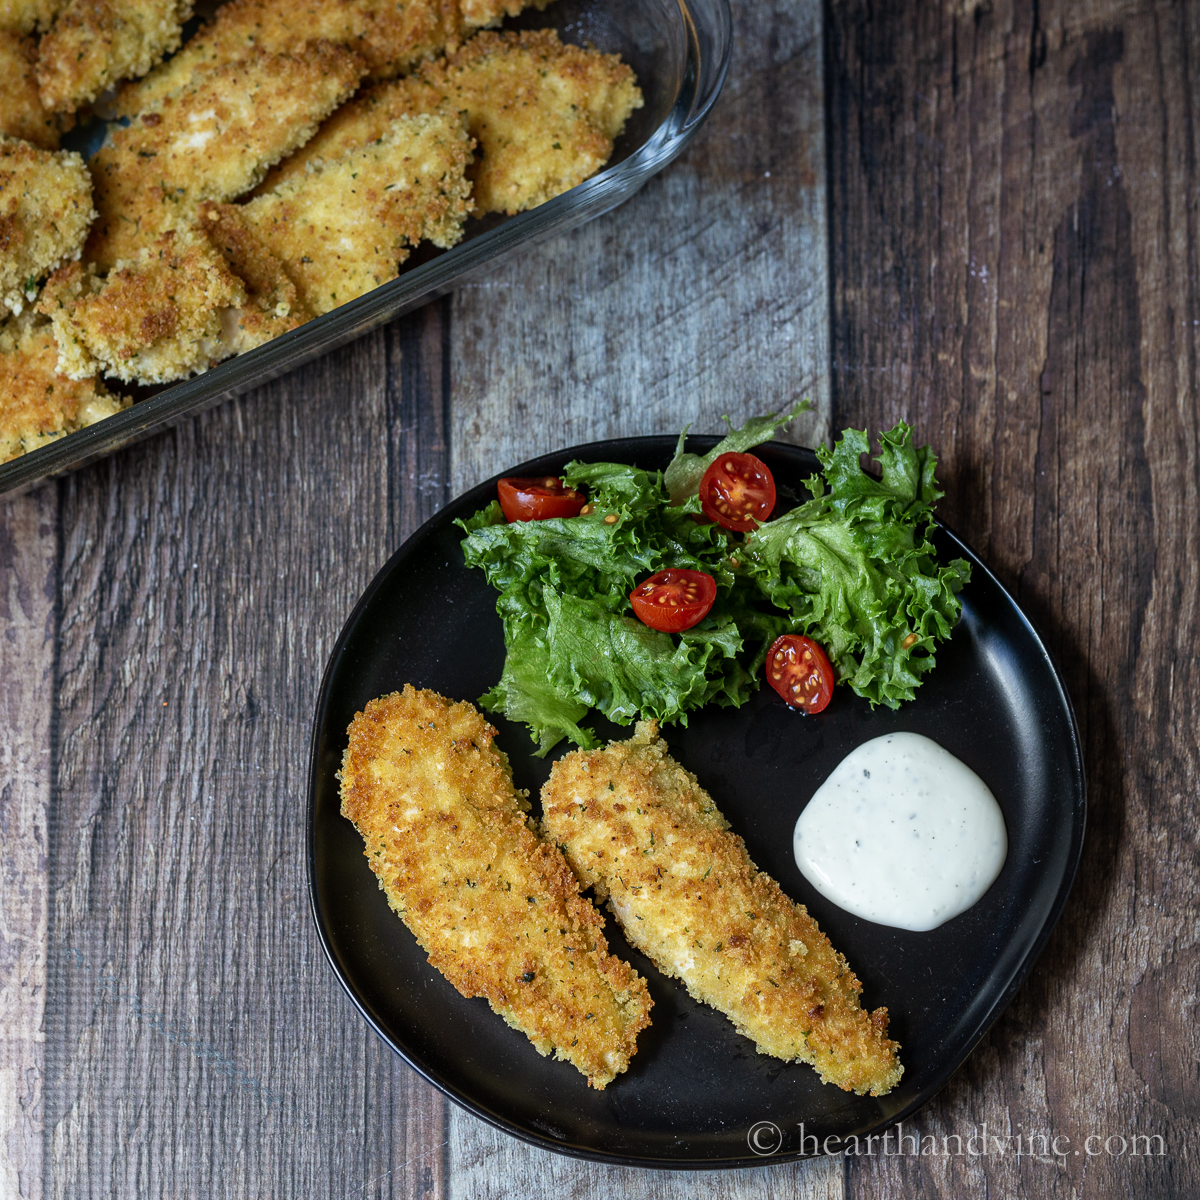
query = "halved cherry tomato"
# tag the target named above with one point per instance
(674, 599)
(538, 499)
(798, 669)
(738, 492)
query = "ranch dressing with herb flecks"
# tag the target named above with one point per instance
(901, 833)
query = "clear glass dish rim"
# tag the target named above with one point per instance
(708, 37)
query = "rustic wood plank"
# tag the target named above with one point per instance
(490, 1165)
(1015, 261)
(28, 558)
(705, 294)
(197, 1042)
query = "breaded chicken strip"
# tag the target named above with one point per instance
(497, 910)
(393, 37)
(94, 44)
(213, 141)
(45, 212)
(156, 318)
(21, 111)
(24, 16)
(641, 830)
(37, 404)
(343, 227)
(545, 115)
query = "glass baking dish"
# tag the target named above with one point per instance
(680, 52)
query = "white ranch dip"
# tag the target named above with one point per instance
(902, 833)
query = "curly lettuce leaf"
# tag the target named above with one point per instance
(855, 570)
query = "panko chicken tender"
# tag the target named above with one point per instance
(94, 44)
(213, 141)
(155, 318)
(21, 111)
(37, 404)
(392, 37)
(45, 212)
(641, 830)
(545, 115)
(497, 910)
(344, 226)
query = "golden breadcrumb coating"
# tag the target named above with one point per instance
(392, 37)
(640, 829)
(545, 115)
(273, 306)
(213, 141)
(24, 16)
(45, 212)
(94, 44)
(346, 224)
(37, 404)
(498, 911)
(21, 111)
(154, 319)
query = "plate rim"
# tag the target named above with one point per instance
(623, 450)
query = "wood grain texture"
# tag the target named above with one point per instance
(27, 572)
(1014, 249)
(489, 1165)
(705, 294)
(197, 1042)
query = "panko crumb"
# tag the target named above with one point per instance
(212, 141)
(45, 213)
(544, 115)
(344, 226)
(498, 912)
(21, 112)
(154, 319)
(94, 44)
(37, 404)
(25, 16)
(639, 828)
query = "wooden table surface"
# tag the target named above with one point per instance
(979, 216)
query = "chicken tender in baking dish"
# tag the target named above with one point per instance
(498, 911)
(344, 226)
(94, 44)
(155, 318)
(640, 829)
(212, 141)
(544, 115)
(392, 37)
(21, 112)
(37, 404)
(45, 213)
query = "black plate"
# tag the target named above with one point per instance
(696, 1089)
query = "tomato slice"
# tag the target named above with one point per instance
(538, 499)
(798, 669)
(738, 492)
(674, 599)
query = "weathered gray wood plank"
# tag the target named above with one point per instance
(197, 1042)
(28, 550)
(489, 1165)
(705, 294)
